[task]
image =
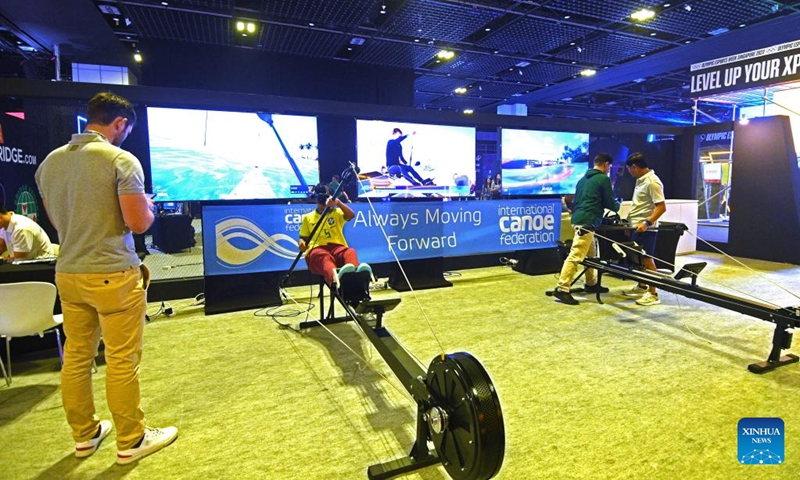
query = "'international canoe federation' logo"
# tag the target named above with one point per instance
(25, 203)
(761, 441)
(240, 242)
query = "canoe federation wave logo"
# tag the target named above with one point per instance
(240, 242)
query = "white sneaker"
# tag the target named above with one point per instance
(636, 291)
(154, 440)
(364, 267)
(84, 449)
(648, 299)
(346, 268)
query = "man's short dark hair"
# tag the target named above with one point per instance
(636, 159)
(397, 130)
(602, 158)
(105, 107)
(321, 193)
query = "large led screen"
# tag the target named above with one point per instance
(543, 163)
(217, 155)
(415, 160)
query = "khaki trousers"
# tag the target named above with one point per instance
(582, 245)
(111, 306)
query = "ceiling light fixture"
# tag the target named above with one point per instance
(445, 54)
(460, 90)
(138, 57)
(240, 26)
(643, 14)
(251, 27)
(588, 72)
(469, 111)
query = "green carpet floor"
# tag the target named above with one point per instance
(612, 391)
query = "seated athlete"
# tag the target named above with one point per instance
(397, 164)
(327, 254)
(23, 238)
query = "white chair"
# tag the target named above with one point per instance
(26, 308)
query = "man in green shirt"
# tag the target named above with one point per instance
(593, 195)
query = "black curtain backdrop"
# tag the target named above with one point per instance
(24, 146)
(765, 192)
(206, 67)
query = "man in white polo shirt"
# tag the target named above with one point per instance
(647, 207)
(23, 238)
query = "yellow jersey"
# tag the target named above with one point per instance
(331, 231)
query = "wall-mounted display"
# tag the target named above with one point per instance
(200, 155)
(542, 163)
(415, 160)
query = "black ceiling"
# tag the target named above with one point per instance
(506, 51)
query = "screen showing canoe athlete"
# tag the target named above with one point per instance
(216, 155)
(416, 160)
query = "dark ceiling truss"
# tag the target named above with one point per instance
(506, 51)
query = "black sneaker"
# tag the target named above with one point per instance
(565, 297)
(595, 289)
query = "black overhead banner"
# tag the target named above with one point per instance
(766, 66)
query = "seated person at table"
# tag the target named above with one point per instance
(23, 238)
(327, 254)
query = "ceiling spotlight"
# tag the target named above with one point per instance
(469, 111)
(165, 4)
(687, 7)
(445, 54)
(310, 24)
(653, 34)
(667, 5)
(460, 90)
(566, 17)
(357, 41)
(137, 57)
(523, 63)
(588, 72)
(109, 9)
(643, 14)
(487, 29)
(251, 27)
(580, 49)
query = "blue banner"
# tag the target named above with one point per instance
(263, 238)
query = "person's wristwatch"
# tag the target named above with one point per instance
(647, 223)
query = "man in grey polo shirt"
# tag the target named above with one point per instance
(93, 192)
